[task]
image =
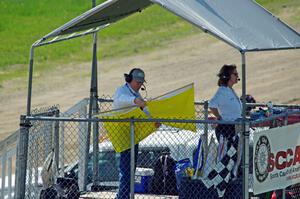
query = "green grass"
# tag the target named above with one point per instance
(277, 7)
(25, 21)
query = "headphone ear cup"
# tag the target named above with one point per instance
(226, 78)
(128, 78)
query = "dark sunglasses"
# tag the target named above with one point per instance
(236, 74)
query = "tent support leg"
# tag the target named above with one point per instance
(95, 111)
(30, 72)
(245, 129)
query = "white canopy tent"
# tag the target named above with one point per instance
(243, 24)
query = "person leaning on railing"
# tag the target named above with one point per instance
(126, 96)
(225, 104)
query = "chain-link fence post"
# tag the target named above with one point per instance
(132, 158)
(61, 148)
(22, 150)
(205, 138)
(95, 145)
(245, 157)
(56, 138)
(83, 149)
(285, 123)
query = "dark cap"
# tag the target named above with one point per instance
(138, 75)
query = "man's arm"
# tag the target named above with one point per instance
(140, 102)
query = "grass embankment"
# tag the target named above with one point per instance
(23, 22)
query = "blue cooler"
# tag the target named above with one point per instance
(143, 178)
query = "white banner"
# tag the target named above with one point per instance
(276, 158)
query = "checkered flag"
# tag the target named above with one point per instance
(220, 176)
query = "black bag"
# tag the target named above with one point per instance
(64, 188)
(164, 179)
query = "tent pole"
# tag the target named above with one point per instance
(245, 130)
(93, 108)
(30, 72)
(95, 111)
(22, 148)
(94, 86)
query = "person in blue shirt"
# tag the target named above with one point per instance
(126, 96)
(225, 104)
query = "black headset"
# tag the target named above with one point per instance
(224, 76)
(128, 77)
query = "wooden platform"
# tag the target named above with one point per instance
(112, 195)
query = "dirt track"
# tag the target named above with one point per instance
(270, 76)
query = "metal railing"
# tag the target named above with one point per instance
(177, 140)
(69, 129)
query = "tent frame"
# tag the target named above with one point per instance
(93, 106)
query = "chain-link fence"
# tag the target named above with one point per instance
(199, 158)
(8, 153)
(7, 165)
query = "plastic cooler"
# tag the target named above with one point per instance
(143, 178)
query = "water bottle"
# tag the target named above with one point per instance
(270, 108)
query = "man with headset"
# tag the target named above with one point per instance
(125, 96)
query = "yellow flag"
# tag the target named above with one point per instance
(119, 132)
(178, 104)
